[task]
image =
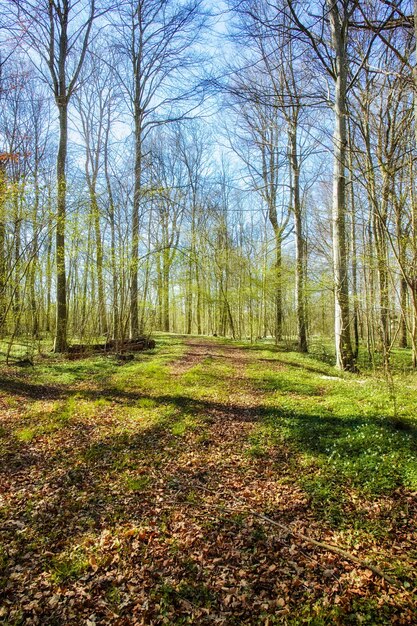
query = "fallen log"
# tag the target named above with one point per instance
(79, 350)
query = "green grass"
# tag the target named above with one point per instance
(69, 566)
(345, 429)
(138, 483)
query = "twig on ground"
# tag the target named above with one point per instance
(320, 544)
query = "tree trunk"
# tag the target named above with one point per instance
(354, 264)
(189, 296)
(102, 315)
(380, 226)
(299, 244)
(401, 237)
(17, 273)
(61, 285)
(414, 210)
(344, 353)
(278, 285)
(134, 271)
(34, 262)
(165, 283)
(142, 323)
(198, 303)
(112, 220)
(159, 290)
(3, 191)
(49, 264)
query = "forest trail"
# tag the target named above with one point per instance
(129, 494)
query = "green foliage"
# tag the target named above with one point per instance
(69, 566)
(138, 483)
(343, 424)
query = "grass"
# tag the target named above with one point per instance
(69, 567)
(352, 444)
(92, 447)
(138, 483)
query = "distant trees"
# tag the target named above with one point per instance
(269, 101)
(155, 41)
(289, 213)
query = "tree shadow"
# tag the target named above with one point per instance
(34, 391)
(302, 366)
(313, 430)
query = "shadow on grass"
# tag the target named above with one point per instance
(311, 429)
(34, 391)
(315, 431)
(348, 444)
(324, 358)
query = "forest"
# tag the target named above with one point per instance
(208, 312)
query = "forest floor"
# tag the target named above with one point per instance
(133, 493)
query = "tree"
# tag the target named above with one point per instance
(334, 59)
(155, 40)
(59, 31)
(269, 96)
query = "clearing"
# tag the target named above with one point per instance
(133, 492)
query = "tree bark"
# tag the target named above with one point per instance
(61, 286)
(344, 353)
(102, 314)
(299, 244)
(3, 191)
(134, 268)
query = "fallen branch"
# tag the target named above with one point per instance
(320, 544)
(330, 548)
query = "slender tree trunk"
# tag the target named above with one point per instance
(3, 191)
(380, 226)
(49, 263)
(112, 220)
(412, 279)
(159, 283)
(414, 212)
(355, 282)
(403, 321)
(299, 244)
(189, 295)
(61, 285)
(199, 298)
(401, 238)
(165, 283)
(34, 265)
(102, 314)
(134, 271)
(115, 282)
(84, 296)
(344, 353)
(146, 282)
(354, 264)
(278, 285)
(17, 273)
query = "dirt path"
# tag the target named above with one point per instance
(195, 352)
(230, 457)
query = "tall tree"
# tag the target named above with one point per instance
(155, 38)
(333, 57)
(59, 32)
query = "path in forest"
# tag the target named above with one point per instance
(229, 424)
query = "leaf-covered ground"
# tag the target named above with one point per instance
(131, 493)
